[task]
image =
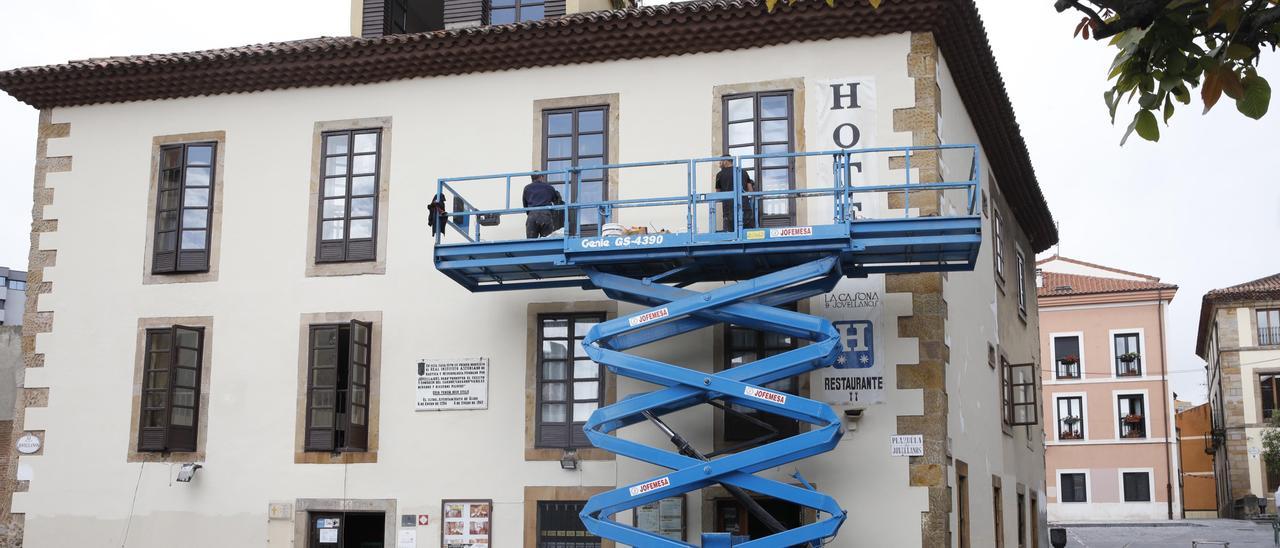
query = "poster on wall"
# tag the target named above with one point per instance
(665, 517)
(453, 384)
(465, 523)
(846, 120)
(856, 308)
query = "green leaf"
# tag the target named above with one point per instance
(1129, 131)
(1146, 125)
(1175, 65)
(1149, 100)
(1168, 110)
(1256, 99)
(1112, 102)
(1182, 94)
(1240, 52)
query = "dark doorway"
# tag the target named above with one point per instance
(735, 519)
(346, 530)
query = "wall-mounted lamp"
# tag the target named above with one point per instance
(569, 460)
(188, 471)
(852, 416)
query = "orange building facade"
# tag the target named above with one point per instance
(1110, 445)
(1195, 459)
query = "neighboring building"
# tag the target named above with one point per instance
(13, 296)
(252, 277)
(1107, 404)
(1195, 459)
(1239, 337)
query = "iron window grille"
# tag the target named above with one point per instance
(1066, 357)
(560, 527)
(1268, 326)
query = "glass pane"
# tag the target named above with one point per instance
(323, 398)
(154, 400)
(739, 358)
(554, 412)
(335, 166)
(741, 109)
(555, 350)
(775, 179)
(170, 178)
(186, 377)
(554, 370)
(774, 106)
(170, 157)
(531, 13)
(335, 209)
(740, 338)
(183, 416)
(362, 207)
(580, 350)
(187, 358)
(776, 340)
(327, 337)
(590, 120)
(196, 197)
(169, 199)
(359, 395)
(324, 377)
(559, 124)
(582, 326)
(154, 418)
(366, 142)
(198, 176)
(553, 391)
(559, 147)
(167, 241)
(193, 239)
(585, 369)
(160, 341)
(184, 396)
(326, 357)
(362, 185)
(582, 411)
(322, 418)
(773, 130)
(192, 218)
(335, 186)
(774, 162)
(590, 145)
(159, 379)
(168, 220)
(335, 144)
(362, 228)
(555, 328)
(503, 3)
(362, 375)
(357, 415)
(367, 163)
(589, 390)
(742, 133)
(502, 16)
(199, 156)
(331, 230)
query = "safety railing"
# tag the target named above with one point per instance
(852, 175)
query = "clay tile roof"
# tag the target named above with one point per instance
(1056, 257)
(1057, 284)
(698, 26)
(1262, 289)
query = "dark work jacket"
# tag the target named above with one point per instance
(724, 180)
(540, 194)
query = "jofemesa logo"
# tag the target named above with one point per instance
(857, 345)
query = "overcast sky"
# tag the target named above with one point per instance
(1200, 209)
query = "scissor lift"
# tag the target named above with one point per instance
(763, 267)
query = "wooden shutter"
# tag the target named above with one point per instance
(464, 13)
(554, 8)
(184, 389)
(154, 408)
(357, 416)
(322, 388)
(164, 247)
(373, 18)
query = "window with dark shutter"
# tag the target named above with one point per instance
(1137, 487)
(762, 123)
(1072, 488)
(338, 387)
(170, 409)
(578, 137)
(184, 208)
(570, 385)
(349, 196)
(742, 346)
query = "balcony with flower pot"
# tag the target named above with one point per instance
(1071, 429)
(1129, 364)
(1069, 367)
(1133, 426)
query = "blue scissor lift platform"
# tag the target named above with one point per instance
(768, 267)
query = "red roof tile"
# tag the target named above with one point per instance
(1262, 289)
(1057, 284)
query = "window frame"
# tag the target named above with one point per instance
(571, 190)
(1082, 426)
(567, 518)
(1124, 491)
(1011, 390)
(516, 7)
(203, 254)
(1022, 283)
(1268, 334)
(1262, 393)
(570, 379)
(1086, 486)
(1057, 365)
(348, 196)
(166, 444)
(347, 435)
(997, 241)
(785, 427)
(1122, 428)
(1118, 368)
(757, 147)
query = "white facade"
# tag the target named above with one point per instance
(82, 483)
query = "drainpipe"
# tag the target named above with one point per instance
(1164, 388)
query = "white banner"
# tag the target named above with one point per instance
(448, 385)
(846, 119)
(856, 307)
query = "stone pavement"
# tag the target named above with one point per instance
(1240, 533)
